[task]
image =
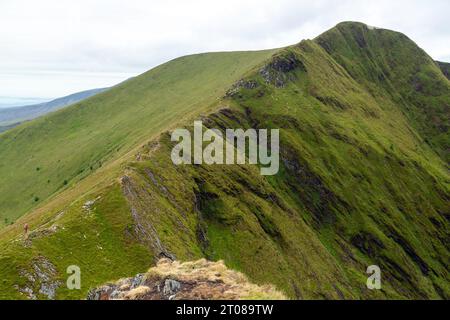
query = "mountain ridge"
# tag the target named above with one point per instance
(358, 186)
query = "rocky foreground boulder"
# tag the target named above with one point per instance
(173, 280)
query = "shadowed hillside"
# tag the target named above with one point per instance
(445, 67)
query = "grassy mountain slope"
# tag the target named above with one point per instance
(197, 280)
(387, 59)
(43, 156)
(358, 185)
(5, 127)
(11, 117)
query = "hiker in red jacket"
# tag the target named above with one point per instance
(25, 229)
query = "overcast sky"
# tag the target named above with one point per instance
(51, 48)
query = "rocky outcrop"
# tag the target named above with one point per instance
(280, 69)
(173, 280)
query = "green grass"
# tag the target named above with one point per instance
(363, 177)
(71, 143)
(95, 240)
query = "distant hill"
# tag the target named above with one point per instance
(13, 116)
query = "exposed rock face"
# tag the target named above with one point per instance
(278, 71)
(89, 204)
(172, 280)
(245, 84)
(40, 280)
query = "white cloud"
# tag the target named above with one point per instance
(54, 47)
